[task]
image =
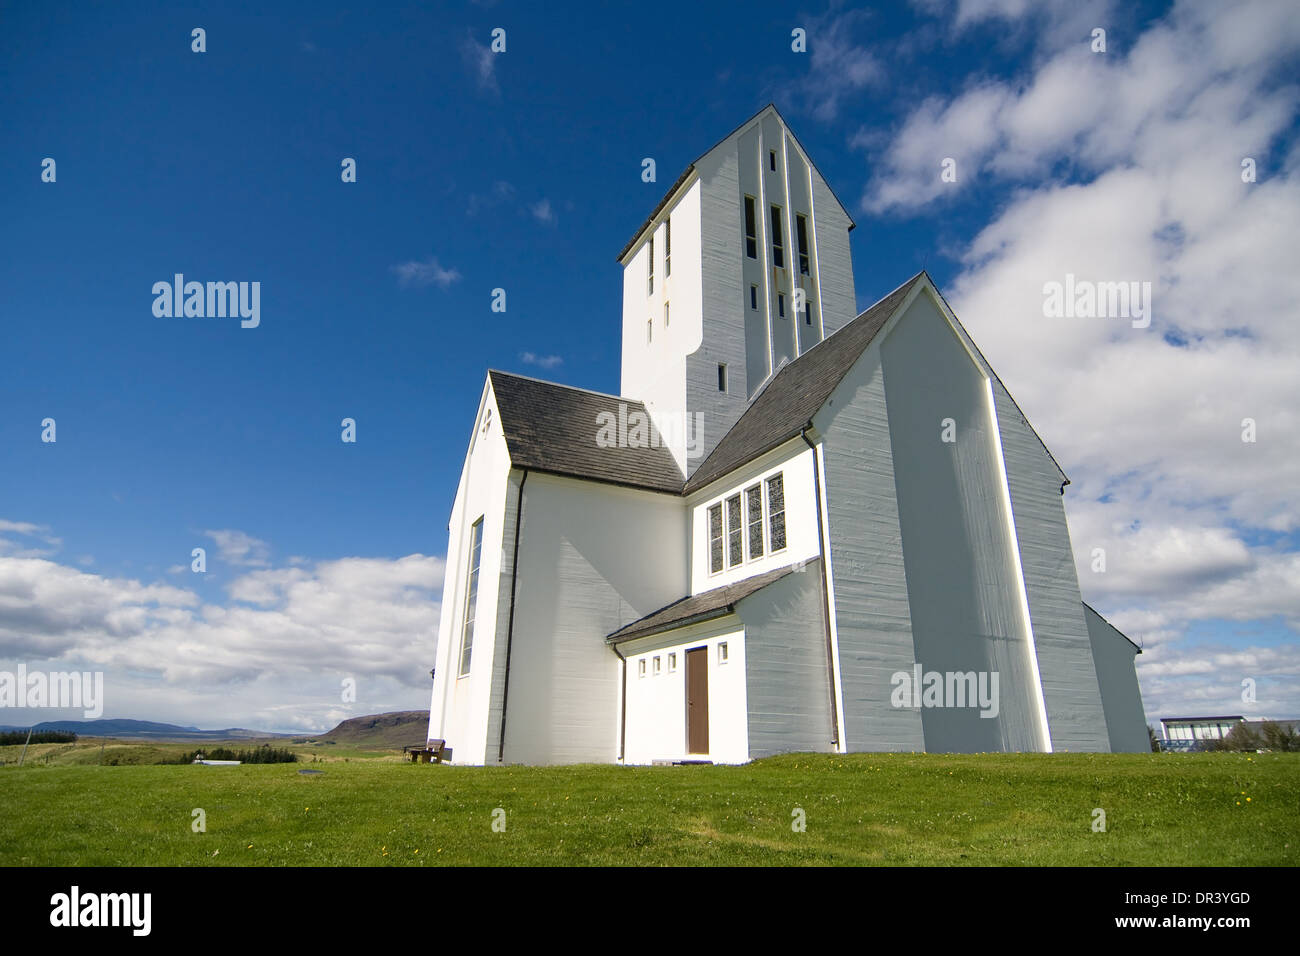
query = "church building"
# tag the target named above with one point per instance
(797, 528)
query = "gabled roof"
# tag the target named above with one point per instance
(686, 174)
(795, 393)
(554, 428)
(703, 606)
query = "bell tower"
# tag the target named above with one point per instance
(742, 267)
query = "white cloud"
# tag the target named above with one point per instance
(542, 211)
(837, 65)
(542, 361)
(238, 548)
(1127, 166)
(285, 639)
(428, 272)
(39, 542)
(482, 63)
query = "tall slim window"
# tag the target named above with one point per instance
(751, 229)
(771, 160)
(801, 230)
(715, 539)
(807, 310)
(735, 533)
(649, 331)
(780, 304)
(665, 315)
(722, 376)
(754, 520)
(753, 297)
(471, 596)
(650, 268)
(776, 513)
(668, 247)
(778, 241)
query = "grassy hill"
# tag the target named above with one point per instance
(859, 809)
(380, 731)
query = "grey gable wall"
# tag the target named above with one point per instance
(873, 620)
(1114, 658)
(962, 585)
(787, 684)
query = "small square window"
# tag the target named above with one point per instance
(640, 667)
(722, 652)
(658, 666)
(672, 663)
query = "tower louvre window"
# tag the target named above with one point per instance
(801, 229)
(778, 241)
(751, 229)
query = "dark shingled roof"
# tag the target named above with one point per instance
(795, 393)
(553, 428)
(703, 606)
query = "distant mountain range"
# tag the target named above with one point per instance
(119, 727)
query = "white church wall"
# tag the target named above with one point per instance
(459, 709)
(839, 304)
(656, 702)
(965, 592)
(793, 461)
(592, 558)
(873, 625)
(654, 365)
(1121, 698)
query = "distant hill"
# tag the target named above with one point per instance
(120, 727)
(381, 731)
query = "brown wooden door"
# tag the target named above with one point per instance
(697, 700)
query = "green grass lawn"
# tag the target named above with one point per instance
(893, 809)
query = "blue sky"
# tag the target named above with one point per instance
(521, 170)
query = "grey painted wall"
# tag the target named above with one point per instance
(872, 616)
(787, 683)
(963, 590)
(1115, 661)
(1074, 705)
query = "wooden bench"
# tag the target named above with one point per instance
(435, 751)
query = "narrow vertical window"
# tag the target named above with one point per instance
(668, 247)
(751, 229)
(640, 668)
(471, 596)
(753, 297)
(650, 267)
(780, 304)
(672, 663)
(722, 652)
(801, 234)
(665, 315)
(754, 520)
(807, 310)
(778, 240)
(658, 665)
(715, 539)
(771, 160)
(649, 331)
(735, 533)
(722, 376)
(775, 513)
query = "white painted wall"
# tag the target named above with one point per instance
(592, 558)
(655, 371)
(656, 704)
(458, 711)
(795, 462)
